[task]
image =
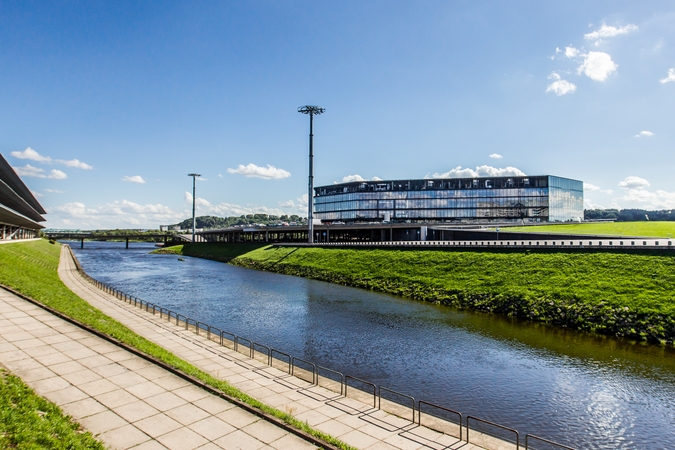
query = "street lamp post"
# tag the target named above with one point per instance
(312, 111)
(194, 220)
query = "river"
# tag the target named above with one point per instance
(575, 388)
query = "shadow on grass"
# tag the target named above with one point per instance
(222, 252)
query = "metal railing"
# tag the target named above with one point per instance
(551, 444)
(494, 425)
(438, 416)
(397, 403)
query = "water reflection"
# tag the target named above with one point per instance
(589, 391)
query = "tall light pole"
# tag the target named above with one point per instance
(194, 220)
(312, 111)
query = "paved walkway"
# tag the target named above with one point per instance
(354, 422)
(124, 399)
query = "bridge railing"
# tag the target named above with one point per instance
(439, 418)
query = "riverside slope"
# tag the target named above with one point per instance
(625, 295)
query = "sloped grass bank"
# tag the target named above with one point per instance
(215, 252)
(625, 295)
(643, 229)
(32, 269)
(27, 421)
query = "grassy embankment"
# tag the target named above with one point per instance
(31, 268)
(27, 421)
(621, 294)
(215, 252)
(643, 229)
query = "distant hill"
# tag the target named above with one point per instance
(211, 222)
(629, 215)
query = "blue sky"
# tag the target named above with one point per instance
(105, 107)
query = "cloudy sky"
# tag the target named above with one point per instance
(105, 107)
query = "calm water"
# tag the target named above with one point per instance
(578, 389)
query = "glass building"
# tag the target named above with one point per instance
(543, 198)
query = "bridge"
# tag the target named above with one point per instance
(159, 237)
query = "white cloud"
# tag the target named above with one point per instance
(287, 204)
(267, 173)
(118, 214)
(54, 191)
(356, 177)
(303, 201)
(31, 171)
(571, 52)
(651, 200)
(56, 174)
(32, 155)
(229, 209)
(75, 163)
(496, 156)
(350, 178)
(597, 66)
(607, 31)
(644, 134)
(481, 171)
(134, 179)
(670, 78)
(198, 201)
(634, 182)
(125, 214)
(220, 175)
(590, 187)
(589, 204)
(559, 87)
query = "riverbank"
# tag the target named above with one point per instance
(31, 269)
(214, 252)
(624, 295)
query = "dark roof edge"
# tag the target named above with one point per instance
(9, 176)
(22, 221)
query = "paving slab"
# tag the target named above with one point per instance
(359, 423)
(125, 401)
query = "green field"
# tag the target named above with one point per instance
(642, 229)
(622, 294)
(27, 421)
(32, 269)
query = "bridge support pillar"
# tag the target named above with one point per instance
(82, 243)
(127, 243)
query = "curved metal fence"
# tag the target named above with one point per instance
(435, 417)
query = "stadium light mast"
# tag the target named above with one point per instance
(311, 111)
(194, 220)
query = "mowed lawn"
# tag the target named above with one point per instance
(643, 282)
(642, 229)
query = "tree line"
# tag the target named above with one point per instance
(210, 222)
(629, 215)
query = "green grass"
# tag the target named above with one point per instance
(625, 294)
(27, 421)
(31, 268)
(643, 229)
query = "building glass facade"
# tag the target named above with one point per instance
(528, 198)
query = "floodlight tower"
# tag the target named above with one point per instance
(312, 111)
(194, 221)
